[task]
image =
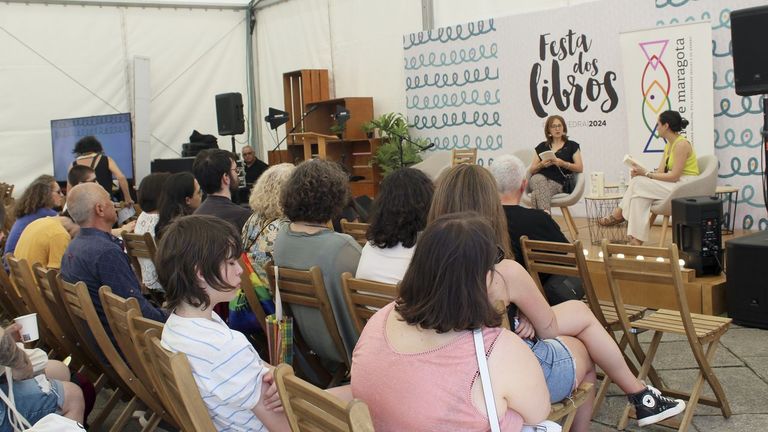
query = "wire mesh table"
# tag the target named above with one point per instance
(730, 195)
(599, 207)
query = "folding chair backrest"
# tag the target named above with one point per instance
(565, 259)
(139, 328)
(365, 297)
(119, 312)
(464, 156)
(250, 295)
(139, 246)
(21, 277)
(179, 387)
(306, 288)
(309, 408)
(657, 266)
(78, 304)
(356, 229)
(10, 299)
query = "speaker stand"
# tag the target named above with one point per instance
(764, 133)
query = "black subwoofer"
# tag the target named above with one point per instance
(747, 286)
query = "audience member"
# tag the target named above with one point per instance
(181, 195)
(216, 171)
(253, 167)
(543, 327)
(38, 201)
(31, 399)
(96, 257)
(418, 352)
(45, 240)
(260, 230)
(315, 193)
(509, 173)
(399, 213)
(90, 153)
(236, 385)
(149, 195)
(80, 174)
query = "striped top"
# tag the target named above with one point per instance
(226, 367)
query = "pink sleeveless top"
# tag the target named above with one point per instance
(426, 391)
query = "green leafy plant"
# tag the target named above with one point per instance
(391, 127)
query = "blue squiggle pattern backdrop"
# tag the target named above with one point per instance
(738, 142)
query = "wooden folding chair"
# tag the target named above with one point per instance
(364, 297)
(306, 288)
(309, 408)
(139, 246)
(463, 156)
(10, 299)
(661, 266)
(356, 229)
(120, 312)
(178, 386)
(50, 333)
(250, 295)
(567, 259)
(78, 304)
(565, 410)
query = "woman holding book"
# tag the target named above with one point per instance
(557, 158)
(677, 165)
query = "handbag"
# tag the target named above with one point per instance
(37, 357)
(490, 401)
(50, 423)
(279, 329)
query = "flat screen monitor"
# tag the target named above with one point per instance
(113, 131)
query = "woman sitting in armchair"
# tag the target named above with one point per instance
(677, 166)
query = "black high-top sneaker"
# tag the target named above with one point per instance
(651, 407)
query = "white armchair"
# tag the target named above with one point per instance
(704, 184)
(561, 200)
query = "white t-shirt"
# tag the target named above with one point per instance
(145, 223)
(226, 367)
(386, 265)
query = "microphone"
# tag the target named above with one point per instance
(427, 147)
(311, 109)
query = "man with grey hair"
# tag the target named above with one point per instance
(253, 167)
(510, 174)
(96, 257)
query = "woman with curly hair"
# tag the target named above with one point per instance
(36, 202)
(260, 230)
(315, 193)
(399, 213)
(181, 195)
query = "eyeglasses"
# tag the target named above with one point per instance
(93, 180)
(556, 126)
(247, 153)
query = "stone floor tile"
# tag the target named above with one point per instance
(746, 342)
(678, 355)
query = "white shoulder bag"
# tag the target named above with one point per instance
(490, 400)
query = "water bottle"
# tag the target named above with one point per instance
(623, 183)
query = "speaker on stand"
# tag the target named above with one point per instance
(231, 121)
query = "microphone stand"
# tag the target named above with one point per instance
(301, 120)
(412, 142)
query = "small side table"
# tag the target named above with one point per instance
(599, 207)
(729, 216)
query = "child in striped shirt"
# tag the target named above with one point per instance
(197, 264)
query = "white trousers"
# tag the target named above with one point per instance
(641, 194)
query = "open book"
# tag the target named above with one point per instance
(634, 163)
(547, 155)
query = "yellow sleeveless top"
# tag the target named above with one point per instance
(691, 167)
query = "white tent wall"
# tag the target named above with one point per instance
(64, 61)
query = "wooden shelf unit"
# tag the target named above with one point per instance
(300, 88)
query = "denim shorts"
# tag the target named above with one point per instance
(558, 365)
(30, 401)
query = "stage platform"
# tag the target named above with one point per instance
(706, 295)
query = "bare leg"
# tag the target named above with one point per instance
(57, 370)
(575, 319)
(74, 404)
(585, 372)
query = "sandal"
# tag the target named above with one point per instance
(609, 220)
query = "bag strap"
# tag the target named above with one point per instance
(17, 421)
(485, 379)
(278, 301)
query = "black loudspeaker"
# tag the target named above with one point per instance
(697, 231)
(747, 290)
(229, 113)
(749, 32)
(176, 165)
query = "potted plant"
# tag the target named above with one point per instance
(397, 148)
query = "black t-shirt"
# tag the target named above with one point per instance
(534, 223)
(253, 172)
(565, 153)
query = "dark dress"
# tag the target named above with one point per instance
(565, 153)
(103, 174)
